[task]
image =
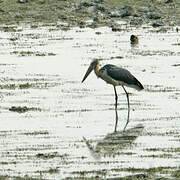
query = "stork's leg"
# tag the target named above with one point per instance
(116, 97)
(115, 128)
(127, 95)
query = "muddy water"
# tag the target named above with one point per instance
(67, 130)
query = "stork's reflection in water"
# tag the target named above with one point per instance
(115, 141)
(116, 122)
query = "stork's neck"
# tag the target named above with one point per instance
(96, 70)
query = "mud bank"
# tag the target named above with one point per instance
(92, 13)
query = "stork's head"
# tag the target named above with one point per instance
(92, 66)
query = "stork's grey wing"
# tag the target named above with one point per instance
(123, 75)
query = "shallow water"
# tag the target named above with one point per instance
(47, 142)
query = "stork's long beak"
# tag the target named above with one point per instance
(87, 73)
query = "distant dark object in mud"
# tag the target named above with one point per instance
(98, 1)
(152, 15)
(169, 1)
(126, 11)
(134, 39)
(18, 109)
(157, 24)
(136, 176)
(175, 65)
(22, 1)
(115, 29)
(27, 1)
(23, 109)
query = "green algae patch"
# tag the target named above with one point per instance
(23, 109)
(51, 155)
(32, 53)
(35, 133)
(16, 86)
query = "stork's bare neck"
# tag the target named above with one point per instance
(96, 69)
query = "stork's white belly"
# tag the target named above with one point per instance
(103, 75)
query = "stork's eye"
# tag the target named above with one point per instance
(102, 70)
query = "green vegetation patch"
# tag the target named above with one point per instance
(26, 85)
(117, 57)
(150, 172)
(176, 44)
(9, 28)
(14, 86)
(35, 133)
(102, 172)
(176, 174)
(23, 109)
(6, 163)
(6, 177)
(8, 86)
(24, 178)
(177, 149)
(50, 171)
(32, 53)
(164, 155)
(51, 155)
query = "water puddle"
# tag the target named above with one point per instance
(55, 127)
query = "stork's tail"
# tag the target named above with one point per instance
(139, 86)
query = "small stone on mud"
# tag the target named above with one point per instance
(151, 15)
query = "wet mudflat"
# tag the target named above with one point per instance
(55, 127)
